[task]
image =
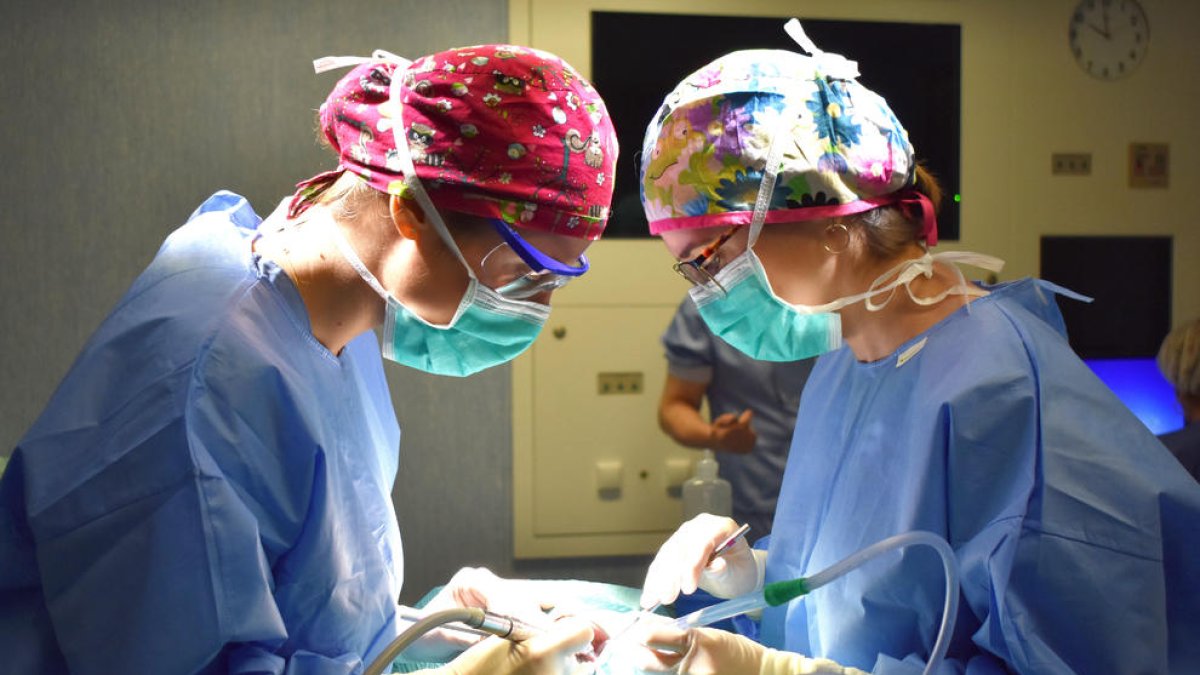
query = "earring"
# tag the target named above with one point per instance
(845, 232)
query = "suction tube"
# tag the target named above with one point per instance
(781, 592)
(916, 537)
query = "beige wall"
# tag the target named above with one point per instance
(1023, 98)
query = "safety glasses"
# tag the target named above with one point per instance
(701, 270)
(544, 273)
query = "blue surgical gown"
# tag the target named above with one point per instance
(1077, 533)
(208, 490)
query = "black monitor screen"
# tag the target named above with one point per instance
(638, 58)
(1129, 279)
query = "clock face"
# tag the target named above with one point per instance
(1109, 37)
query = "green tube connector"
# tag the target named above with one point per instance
(784, 591)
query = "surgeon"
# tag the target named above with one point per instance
(791, 198)
(208, 490)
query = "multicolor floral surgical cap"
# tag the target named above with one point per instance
(496, 131)
(844, 151)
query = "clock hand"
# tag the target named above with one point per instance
(1102, 32)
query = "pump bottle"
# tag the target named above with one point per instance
(705, 492)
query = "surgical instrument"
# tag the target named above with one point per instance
(721, 548)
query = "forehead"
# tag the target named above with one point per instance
(685, 244)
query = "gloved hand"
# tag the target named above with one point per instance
(475, 587)
(549, 653)
(680, 563)
(706, 651)
(732, 432)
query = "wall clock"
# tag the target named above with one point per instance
(1109, 38)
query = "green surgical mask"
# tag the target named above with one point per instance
(487, 330)
(756, 322)
(751, 318)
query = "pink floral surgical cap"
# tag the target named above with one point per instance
(495, 131)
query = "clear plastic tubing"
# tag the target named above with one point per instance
(783, 591)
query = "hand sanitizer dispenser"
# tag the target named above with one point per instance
(705, 492)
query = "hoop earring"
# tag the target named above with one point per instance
(845, 232)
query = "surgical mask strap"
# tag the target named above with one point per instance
(910, 269)
(410, 173)
(987, 262)
(352, 257)
(962, 287)
(403, 154)
(828, 65)
(770, 174)
(328, 63)
(904, 273)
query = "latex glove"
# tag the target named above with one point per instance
(680, 563)
(732, 433)
(479, 587)
(555, 651)
(475, 587)
(706, 651)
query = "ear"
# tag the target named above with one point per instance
(408, 217)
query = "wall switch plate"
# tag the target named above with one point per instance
(1071, 164)
(1149, 165)
(620, 383)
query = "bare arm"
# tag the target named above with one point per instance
(679, 417)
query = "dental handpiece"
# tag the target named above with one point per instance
(494, 624)
(506, 627)
(490, 623)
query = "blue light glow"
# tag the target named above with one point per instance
(1142, 388)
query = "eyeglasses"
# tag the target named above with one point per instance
(697, 269)
(541, 273)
